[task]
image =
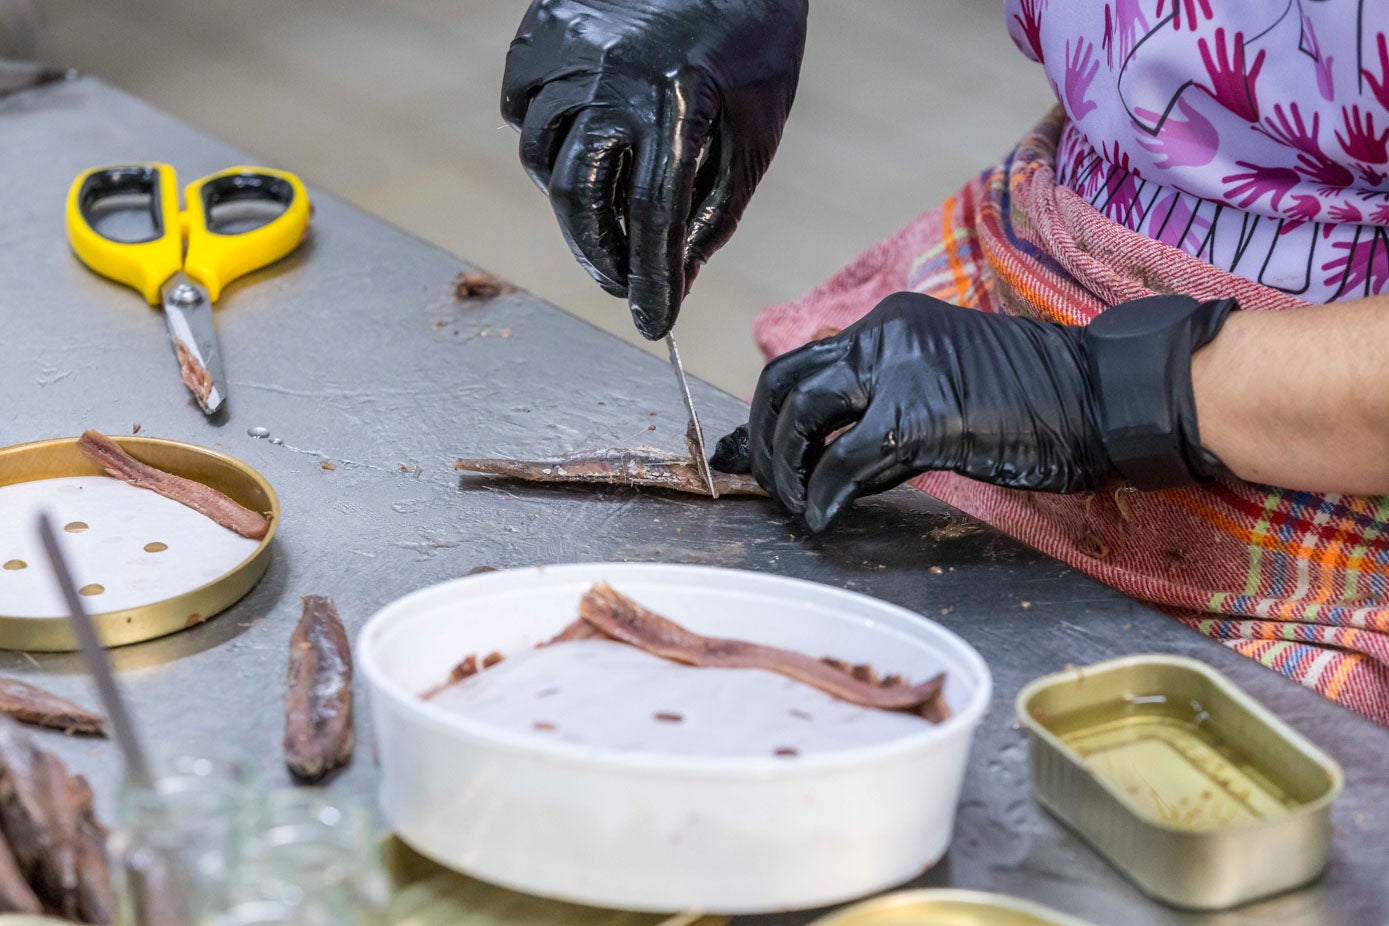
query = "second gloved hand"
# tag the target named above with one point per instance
(923, 385)
(616, 101)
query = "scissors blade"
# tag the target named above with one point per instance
(694, 434)
(188, 316)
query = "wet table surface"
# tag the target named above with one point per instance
(354, 352)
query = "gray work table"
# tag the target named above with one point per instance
(354, 352)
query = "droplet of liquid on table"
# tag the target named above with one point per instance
(276, 441)
(15, 565)
(75, 527)
(258, 432)
(93, 589)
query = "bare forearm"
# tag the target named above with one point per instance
(1300, 399)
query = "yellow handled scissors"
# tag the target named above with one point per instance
(157, 267)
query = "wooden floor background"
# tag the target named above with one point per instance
(393, 105)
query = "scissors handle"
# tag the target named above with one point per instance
(143, 265)
(215, 258)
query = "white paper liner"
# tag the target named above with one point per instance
(121, 520)
(611, 695)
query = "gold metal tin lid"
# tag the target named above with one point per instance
(427, 894)
(52, 459)
(947, 907)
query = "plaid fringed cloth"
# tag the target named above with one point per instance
(1295, 580)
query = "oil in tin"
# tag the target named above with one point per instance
(1166, 756)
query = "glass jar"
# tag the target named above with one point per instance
(180, 840)
(267, 913)
(316, 852)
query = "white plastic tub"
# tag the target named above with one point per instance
(659, 833)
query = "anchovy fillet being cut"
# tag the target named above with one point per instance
(638, 466)
(201, 498)
(318, 700)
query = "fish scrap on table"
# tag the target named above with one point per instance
(478, 284)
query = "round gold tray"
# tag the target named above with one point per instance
(944, 906)
(427, 894)
(52, 459)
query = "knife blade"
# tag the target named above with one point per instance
(694, 434)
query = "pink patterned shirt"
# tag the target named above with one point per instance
(1251, 133)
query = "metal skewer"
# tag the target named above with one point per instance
(137, 768)
(694, 434)
(159, 897)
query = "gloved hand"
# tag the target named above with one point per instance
(1011, 401)
(617, 99)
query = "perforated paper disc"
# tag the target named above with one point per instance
(127, 547)
(606, 694)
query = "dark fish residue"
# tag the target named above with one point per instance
(478, 284)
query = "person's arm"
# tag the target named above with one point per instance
(1300, 398)
(1162, 392)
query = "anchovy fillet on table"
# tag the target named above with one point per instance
(16, 896)
(32, 705)
(318, 699)
(48, 820)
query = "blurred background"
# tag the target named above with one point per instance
(393, 105)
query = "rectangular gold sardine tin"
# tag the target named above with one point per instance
(1187, 785)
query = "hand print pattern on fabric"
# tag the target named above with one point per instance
(1361, 142)
(1190, 8)
(1326, 83)
(1187, 142)
(1123, 24)
(1229, 80)
(1260, 129)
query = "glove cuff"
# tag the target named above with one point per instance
(1139, 359)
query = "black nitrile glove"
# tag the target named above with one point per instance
(924, 385)
(617, 99)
